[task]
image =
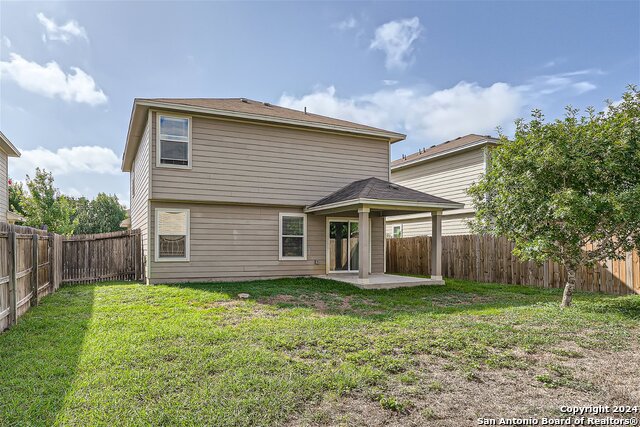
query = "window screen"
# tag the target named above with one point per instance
(172, 234)
(292, 236)
(174, 141)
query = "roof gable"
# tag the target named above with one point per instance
(445, 148)
(243, 109)
(378, 189)
(266, 109)
(8, 147)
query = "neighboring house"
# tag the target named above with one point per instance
(126, 222)
(235, 189)
(444, 170)
(7, 149)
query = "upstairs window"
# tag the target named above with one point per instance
(293, 236)
(172, 234)
(174, 141)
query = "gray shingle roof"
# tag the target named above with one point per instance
(378, 189)
(250, 106)
(444, 147)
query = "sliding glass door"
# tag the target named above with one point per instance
(343, 243)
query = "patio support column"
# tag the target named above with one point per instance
(436, 245)
(363, 248)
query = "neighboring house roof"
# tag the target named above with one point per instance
(378, 190)
(244, 109)
(446, 148)
(8, 147)
(14, 217)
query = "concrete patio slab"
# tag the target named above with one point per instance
(382, 281)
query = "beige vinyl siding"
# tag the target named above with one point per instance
(235, 242)
(240, 162)
(451, 225)
(139, 209)
(4, 186)
(447, 177)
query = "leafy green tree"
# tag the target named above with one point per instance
(45, 206)
(559, 187)
(101, 215)
(80, 218)
(16, 197)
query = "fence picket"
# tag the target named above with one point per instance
(485, 258)
(33, 264)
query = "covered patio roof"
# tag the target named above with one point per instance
(376, 197)
(380, 196)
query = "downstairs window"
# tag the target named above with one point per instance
(293, 236)
(172, 234)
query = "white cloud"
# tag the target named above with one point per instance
(6, 41)
(347, 24)
(49, 80)
(395, 39)
(64, 33)
(436, 116)
(66, 161)
(582, 87)
(390, 82)
(433, 117)
(574, 81)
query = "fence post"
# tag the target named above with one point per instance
(136, 256)
(13, 301)
(34, 270)
(545, 273)
(50, 257)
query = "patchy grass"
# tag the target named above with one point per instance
(313, 352)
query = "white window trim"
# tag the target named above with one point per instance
(327, 242)
(189, 143)
(393, 232)
(304, 237)
(187, 249)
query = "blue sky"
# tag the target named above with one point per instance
(435, 70)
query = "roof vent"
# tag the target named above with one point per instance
(395, 187)
(404, 157)
(305, 110)
(245, 100)
(266, 104)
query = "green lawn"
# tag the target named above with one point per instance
(310, 352)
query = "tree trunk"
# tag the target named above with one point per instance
(569, 287)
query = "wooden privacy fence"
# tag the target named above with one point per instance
(490, 259)
(30, 268)
(34, 263)
(91, 258)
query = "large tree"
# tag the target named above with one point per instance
(100, 215)
(45, 206)
(560, 187)
(16, 197)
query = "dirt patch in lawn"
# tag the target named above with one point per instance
(327, 303)
(451, 398)
(451, 299)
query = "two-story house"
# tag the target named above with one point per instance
(7, 149)
(236, 189)
(444, 170)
